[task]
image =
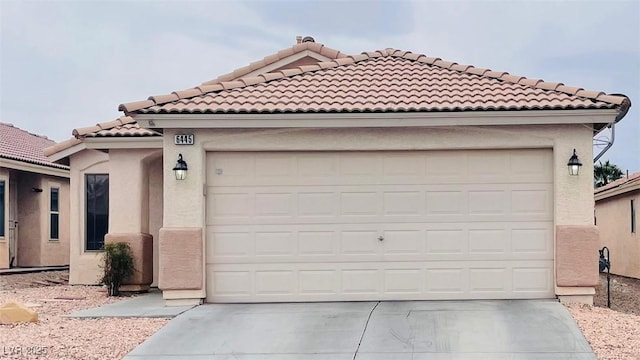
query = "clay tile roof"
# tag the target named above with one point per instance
(21, 145)
(268, 60)
(630, 180)
(122, 126)
(386, 80)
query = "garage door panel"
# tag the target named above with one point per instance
(330, 226)
(360, 281)
(401, 241)
(344, 204)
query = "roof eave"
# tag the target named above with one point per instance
(382, 119)
(34, 168)
(616, 191)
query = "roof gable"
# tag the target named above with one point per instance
(382, 81)
(306, 53)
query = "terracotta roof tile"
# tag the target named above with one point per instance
(126, 130)
(61, 146)
(122, 126)
(268, 60)
(24, 146)
(383, 81)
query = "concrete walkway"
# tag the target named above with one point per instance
(146, 305)
(371, 331)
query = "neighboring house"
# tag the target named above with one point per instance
(34, 202)
(617, 218)
(316, 176)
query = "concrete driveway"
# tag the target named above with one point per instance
(371, 330)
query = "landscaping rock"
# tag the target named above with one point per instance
(13, 312)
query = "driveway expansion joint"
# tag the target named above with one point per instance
(365, 329)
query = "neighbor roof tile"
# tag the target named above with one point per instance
(18, 144)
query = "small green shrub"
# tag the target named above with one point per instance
(117, 266)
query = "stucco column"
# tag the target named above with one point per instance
(181, 248)
(129, 212)
(576, 236)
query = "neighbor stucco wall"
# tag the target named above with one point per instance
(34, 248)
(84, 265)
(613, 218)
(55, 251)
(30, 215)
(573, 195)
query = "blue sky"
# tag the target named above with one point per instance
(68, 64)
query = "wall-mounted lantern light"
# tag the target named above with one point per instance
(574, 164)
(180, 170)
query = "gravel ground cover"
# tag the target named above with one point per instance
(614, 334)
(56, 337)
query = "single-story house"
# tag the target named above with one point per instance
(616, 216)
(34, 202)
(312, 175)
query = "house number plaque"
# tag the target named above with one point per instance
(184, 139)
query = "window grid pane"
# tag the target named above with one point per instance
(54, 230)
(633, 216)
(54, 199)
(54, 218)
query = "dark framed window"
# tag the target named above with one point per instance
(54, 213)
(96, 210)
(2, 208)
(633, 216)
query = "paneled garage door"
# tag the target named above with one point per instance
(327, 226)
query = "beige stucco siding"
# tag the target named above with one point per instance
(155, 209)
(613, 218)
(135, 202)
(27, 202)
(55, 251)
(84, 265)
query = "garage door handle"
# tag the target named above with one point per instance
(381, 238)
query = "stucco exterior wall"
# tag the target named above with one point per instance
(55, 251)
(31, 211)
(135, 204)
(613, 218)
(84, 265)
(573, 195)
(155, 209)
(30, 215)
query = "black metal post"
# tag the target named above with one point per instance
(605, 263)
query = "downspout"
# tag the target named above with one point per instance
(624, 108)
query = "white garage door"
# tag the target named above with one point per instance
(327, 226)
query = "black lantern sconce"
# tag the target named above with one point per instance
(180, 170)
(574, 164)
(605, 263)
